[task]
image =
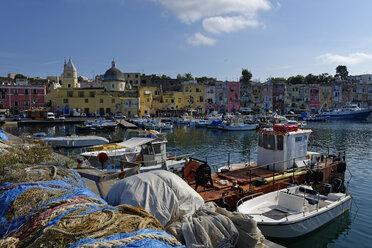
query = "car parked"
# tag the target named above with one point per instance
(62, 118)
(2, 117)
(50, 116)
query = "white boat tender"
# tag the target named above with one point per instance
(238, 125)
(293, 211)
(71, 141)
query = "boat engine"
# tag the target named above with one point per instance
(326, 189)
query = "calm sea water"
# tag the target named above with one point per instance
(352, 229)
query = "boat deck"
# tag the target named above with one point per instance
(229, 187)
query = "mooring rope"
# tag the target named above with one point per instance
(115, 243)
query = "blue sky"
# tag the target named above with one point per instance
(214, 38)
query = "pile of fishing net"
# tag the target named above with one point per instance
(49, 205)
(183, 211)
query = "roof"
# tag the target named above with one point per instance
(69, 66)
(113, 74)
(133, 142)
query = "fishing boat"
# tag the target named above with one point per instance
(237, 125)
(93, 126)
(349, 111)
(282, 155)
(147, 152)
(70, 141)
(294, 211)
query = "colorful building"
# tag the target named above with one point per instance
(17, 98)
(233, 96)
(221, 97)
(325, 96)
(210, 99)
(267, 96)
(112, 98)
(314, 98)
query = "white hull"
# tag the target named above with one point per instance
(75, 141)
(240, 128)
(294, 211)
(294, 229)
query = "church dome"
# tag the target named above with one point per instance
(113, 74)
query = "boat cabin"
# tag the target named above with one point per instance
(282, 147)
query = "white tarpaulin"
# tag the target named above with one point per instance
(162, 193)
(183, 212)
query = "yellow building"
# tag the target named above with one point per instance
(148, 95)
(256, 101)
(112, 98)
(194, 97)
(325, 96)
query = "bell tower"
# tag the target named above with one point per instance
(70, 79)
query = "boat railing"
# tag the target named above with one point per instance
(248, 197)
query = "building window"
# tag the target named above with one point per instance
(172, 100)
(65, 100)
(187, 89)
(201, 99)
(26, 91)
(86, 100)
(148, 99)
(81, 94)
(136, 76)
(34, 91)
(101, 100)
(166, 100)
(197, 89)
(16, 103)
(27, 103)
(70, 94)
(121, 86)
(69, 86)
(15, 92)
(112, 86)
(92, 94)
(179, 100)
(113, 100)
(68, 74)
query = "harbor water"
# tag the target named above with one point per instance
(352, 229)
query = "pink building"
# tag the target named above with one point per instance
(233, 96)
(18, 98)
(314, 98)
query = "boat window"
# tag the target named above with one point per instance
(298, 139)
(260, 142)
(157, 148)
(279, 142)
(269, 141)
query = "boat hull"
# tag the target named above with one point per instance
(239, 128)
(291, 229)
(357, 115)
(82, 141)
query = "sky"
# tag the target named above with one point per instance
(212, 38)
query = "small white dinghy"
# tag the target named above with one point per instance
(293, 211)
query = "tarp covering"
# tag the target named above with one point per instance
(183, 212)
(162, 193)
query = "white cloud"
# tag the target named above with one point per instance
(199, 40)
(351, 59)
(189, 11)
(219, 24)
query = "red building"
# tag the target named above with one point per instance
(233, 96)
(18, 98)
(314, 98)
(278, 97)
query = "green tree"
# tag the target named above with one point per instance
(20, 76)
(277, 80)
(299, 79)
(188, 76)
(80, 79)
(246, 76)
(165, 77)
(311, 79)
(341, 72)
